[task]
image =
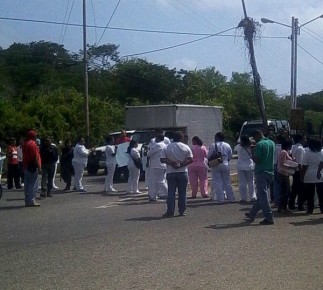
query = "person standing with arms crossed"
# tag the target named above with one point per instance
(263, 156)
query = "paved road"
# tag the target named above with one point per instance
(93, 241)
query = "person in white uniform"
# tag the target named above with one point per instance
(150, 145)
(177, 156)
(221, 173)
(134, 170)
(110, 163)
(79, 163)
(245, 167)
(157, 174)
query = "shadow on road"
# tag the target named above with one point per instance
(311, 222)
(231, 226)
(145, 219)
(12, 207)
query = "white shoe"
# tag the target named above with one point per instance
(138, 192)
(130, 192)
(55, 187)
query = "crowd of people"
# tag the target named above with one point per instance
(271, 173)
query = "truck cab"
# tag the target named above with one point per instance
(275, 126)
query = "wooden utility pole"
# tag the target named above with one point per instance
(86, 80)
(249, 31)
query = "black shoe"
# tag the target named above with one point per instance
(182, 214)
(49, 195)
(301, 209)
(168, 215)
(249, 217)
(43, 195)
(266, 222)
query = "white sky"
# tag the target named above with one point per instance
(227, 53)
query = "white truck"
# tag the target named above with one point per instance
(192, 120)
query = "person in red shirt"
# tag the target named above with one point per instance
(32, 167)
(13, 164)
(122, 138)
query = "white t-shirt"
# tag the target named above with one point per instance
(312, 159)
(153, 141)
(80, 154)
(224, 148)
(154, 155)
(110, 159)
(177, 152)
(244, 158)
(134, 153)
(298, 153)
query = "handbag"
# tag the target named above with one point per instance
(137, 162)
(216, 158)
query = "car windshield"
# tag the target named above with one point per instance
(250, 128)
(143, 137)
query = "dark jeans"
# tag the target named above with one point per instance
(284, 186)
(176, 181)
(310, 193)
(47, 177)
(13, 176)
(263, 181)
(297, 191)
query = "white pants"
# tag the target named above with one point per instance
(56, 165)
(108, 183)
(246, 184)
(78, 174)
(221, 183)
(147, 176)
(133, 179)
(157, 183)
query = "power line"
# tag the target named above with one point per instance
(178, 45)
(114, 11)
(121, 28)
(310, 54)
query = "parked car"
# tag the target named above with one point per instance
(96, 159)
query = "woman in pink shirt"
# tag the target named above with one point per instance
(197, 171)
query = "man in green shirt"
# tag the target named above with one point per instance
(263, 156)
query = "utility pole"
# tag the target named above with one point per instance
(295, 32)
(249, 31)
(86, 79)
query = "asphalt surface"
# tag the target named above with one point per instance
(120, 241)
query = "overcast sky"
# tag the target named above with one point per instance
(226, 53)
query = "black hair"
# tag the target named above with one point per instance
(314, 144)
(245, 141)
(108, 139)
(159, 138)
(298, 138)
(197, 140)
(178, 136)
(287, 144)
(131, 145)
(219, 136)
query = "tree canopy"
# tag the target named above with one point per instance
(41, 87)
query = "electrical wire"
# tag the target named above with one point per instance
(302, 48)
(178, 45)
(114, 11)
(122, 29)
(314, 36)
